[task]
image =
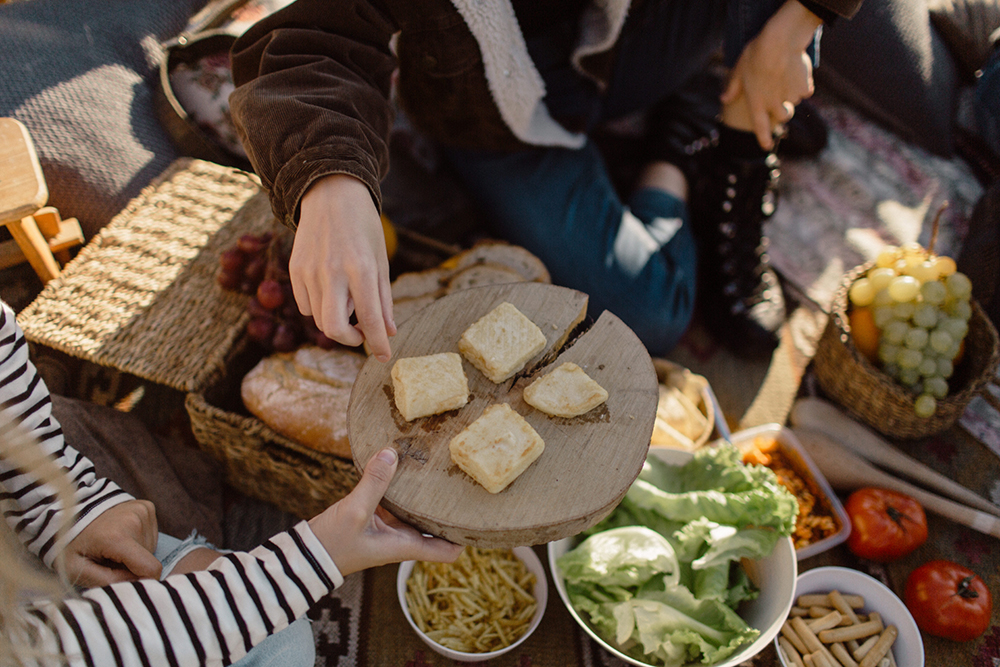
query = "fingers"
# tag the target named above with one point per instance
(150, 527)
(436, 550)
(375, 480)
(139, 560)
(734, 88)
(88, 574)
(386, 292)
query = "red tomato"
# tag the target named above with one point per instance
(885, 524)
(948, 600)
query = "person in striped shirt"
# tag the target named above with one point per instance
(153, 599)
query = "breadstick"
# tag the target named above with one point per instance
(811, 640)
(841, 654)
(831, 620)
(875, 617)
(840, 604)
(818, 659)
(862, 650)
(850, 632)
(818, 611)
(792, 656)
(789, 633)
(880, 648)
(798, 611)
(823, 600)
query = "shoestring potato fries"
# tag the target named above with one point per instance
(480, 603)
(827, 630)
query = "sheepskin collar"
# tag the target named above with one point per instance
(514, 82)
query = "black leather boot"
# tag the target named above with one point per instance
(681, 128)
(739, 297)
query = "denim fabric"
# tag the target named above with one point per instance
(560, 204)
(294, 646)
(170, 550)
(637, 261)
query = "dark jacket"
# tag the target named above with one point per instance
(314, 82)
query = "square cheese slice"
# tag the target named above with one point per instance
(565, 392)
(429, 385)
(496, 448)
(501, 342)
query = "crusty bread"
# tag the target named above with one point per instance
(419, 283)
(304, 395)
(501, 342)
(565, 392)
(337, 367)
(479, 275)
(496, 448)
(501, 252)
(429, 385)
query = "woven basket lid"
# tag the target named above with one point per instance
(142, 296)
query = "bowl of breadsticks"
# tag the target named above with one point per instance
(842, 617)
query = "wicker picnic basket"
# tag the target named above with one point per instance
(876, 399)
(143, 298)
(257, 460)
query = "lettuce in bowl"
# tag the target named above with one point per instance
(660, 577)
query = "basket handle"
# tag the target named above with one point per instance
(212, 15)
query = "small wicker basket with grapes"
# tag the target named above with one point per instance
(906, 346)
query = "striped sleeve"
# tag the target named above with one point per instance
(30, 508)
(210, 617)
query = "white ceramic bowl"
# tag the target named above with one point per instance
(774, 575)
(908, 649)
(534, 565)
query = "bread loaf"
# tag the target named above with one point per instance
(304, 395)
(500, 252)
(479, 275)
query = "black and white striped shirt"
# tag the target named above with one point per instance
(211, 617)
(30, 508)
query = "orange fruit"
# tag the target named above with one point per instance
(391, 240)
(864, 333)
(960, 354)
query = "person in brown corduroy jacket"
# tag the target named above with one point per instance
(510, 91)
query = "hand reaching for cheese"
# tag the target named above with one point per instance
(359, 534)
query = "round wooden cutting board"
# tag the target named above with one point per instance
(588, 462)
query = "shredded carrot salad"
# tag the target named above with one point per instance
(815, 520)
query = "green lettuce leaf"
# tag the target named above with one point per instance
(660, 576)
(627, 556)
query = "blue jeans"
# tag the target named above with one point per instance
(292, 647)
(635, 258)
(637, 261)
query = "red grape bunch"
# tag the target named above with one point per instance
(257, 265)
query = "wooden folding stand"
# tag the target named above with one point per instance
(40, 234)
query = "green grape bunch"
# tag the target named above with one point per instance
(921, 306)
